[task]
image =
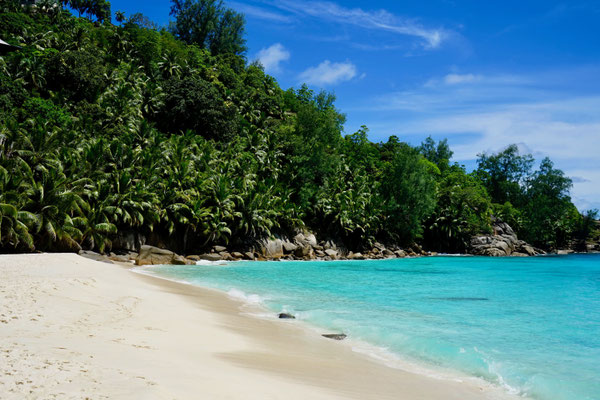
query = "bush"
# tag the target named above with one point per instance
(194, 104)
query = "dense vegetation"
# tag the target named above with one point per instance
(109, 128)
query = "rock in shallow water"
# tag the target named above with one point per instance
(286, 316)
(335, 336)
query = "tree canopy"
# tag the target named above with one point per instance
(107, 130)
(209, 25)
(99, 9)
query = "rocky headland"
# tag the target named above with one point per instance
(503, 241)
(133, 249)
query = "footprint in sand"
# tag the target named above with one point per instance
(138, 346)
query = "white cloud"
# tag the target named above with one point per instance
(546, 127)
(453, 79)
(258, 12)
(552, 129)
(468, 78)
(379, 20)
(585, 194)
(480, 113)
(328, 73)
(272, 57)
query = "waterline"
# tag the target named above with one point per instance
(529, 325)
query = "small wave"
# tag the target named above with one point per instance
(210, 263)
(494, 369)
(246, 298)
(393, 360)
(262, 315)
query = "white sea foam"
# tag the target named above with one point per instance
(253, 299)
(392, 360)
(211, 263)
(494, 369)
(262, 315)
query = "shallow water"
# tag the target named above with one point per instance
(531, 325)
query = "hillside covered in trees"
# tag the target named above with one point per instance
(170, 133)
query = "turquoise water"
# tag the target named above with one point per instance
(531, 325)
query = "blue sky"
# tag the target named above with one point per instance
(482, 74)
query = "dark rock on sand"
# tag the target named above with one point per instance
(150, 255)
(286, 316)
(400, 253)
(211, 257)
(289, 247)
(225, 256)
(304, 251)
(271, 248)
(306, 239)
(332, 253)
(119, 258)
(335, 336)
(180, 260)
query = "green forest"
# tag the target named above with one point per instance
(110, 123)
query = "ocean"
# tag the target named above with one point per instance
(529, 325)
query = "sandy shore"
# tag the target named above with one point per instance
(72, 328)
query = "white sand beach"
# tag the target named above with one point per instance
(73, 328)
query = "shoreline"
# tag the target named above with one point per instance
(372, 352)
(76, 328)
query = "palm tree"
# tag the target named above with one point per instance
(123, 100)
(96, 228)
(31, 72)
(131, 204)
(76, 38)
(53, 203)
(259, 214)
(4, 67)
(169, 65)
(119, 16)
(15, 224)
(14, 229)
